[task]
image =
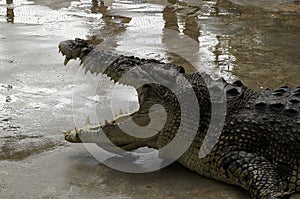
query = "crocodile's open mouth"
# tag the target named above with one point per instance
(73, 49)
(115, 66)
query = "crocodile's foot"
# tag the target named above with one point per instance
(280, 195)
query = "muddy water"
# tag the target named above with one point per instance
(255, 41)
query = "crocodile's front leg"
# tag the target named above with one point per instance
(256, 174)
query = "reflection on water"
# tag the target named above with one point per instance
(181, 17)
(258, 43)
(110, 25)
(266, 46)
(10, 12)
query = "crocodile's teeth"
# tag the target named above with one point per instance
(88, 122)
(66, 60)
(121, 112)
(76, 130)
(106, 122)
(86, 70)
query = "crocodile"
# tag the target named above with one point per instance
(257, 148)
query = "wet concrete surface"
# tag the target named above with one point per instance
(40, 98)
(71, 172)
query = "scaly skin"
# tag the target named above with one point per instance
(258, 148)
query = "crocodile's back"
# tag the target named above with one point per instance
(268, 124)
(259, 146)
(271, 117)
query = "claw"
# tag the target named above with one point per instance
(86, 70)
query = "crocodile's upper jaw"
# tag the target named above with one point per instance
(74, 49)
(72, 136)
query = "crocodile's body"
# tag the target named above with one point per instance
(258, 149)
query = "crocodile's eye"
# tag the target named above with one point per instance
(146, 86)
(181, 69)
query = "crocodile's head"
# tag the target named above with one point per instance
(74, 49)
(155, 83)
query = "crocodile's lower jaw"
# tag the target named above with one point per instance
(73, 136)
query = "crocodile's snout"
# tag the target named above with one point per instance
(72, 136)
(73, 49)
(65, 50)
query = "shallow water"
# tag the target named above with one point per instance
(256, 42)
(253, 41)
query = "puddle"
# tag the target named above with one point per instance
(21, 146)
